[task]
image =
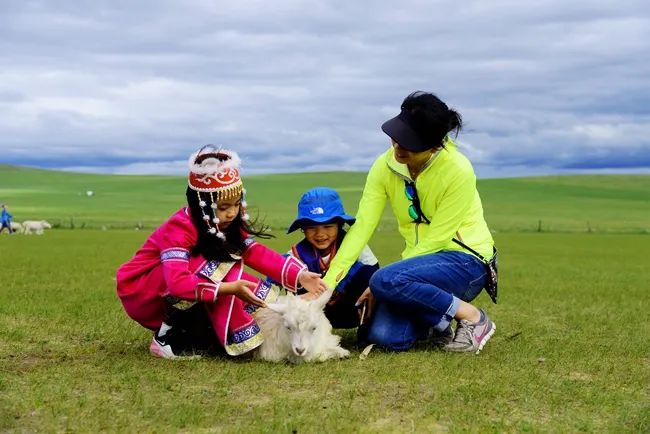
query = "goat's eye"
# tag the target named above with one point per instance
(313, 329)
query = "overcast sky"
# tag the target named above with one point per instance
(551, 86)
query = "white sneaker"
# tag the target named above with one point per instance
(161, 345)
(160, 349)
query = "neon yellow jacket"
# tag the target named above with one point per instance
(448, 197)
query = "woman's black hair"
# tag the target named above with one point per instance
(209, 245)
(431, 118)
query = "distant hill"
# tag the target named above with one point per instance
(603, 203)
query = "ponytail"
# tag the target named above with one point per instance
(454, 122)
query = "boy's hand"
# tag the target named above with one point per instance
(312, 282)
(368, 298)
(308, 296)
(242, 289)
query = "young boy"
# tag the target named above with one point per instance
(321, 218)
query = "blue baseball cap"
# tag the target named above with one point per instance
(318, 206)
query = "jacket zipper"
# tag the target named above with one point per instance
(417, 236)
(417, 225)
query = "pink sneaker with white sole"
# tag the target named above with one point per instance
(161, 347)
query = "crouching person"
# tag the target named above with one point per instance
(187, 282)
(431, 188)
(321, 218)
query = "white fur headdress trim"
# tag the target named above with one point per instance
(212, 165)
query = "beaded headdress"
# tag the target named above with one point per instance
(214, 175)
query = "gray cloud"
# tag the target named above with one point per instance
(129, 87)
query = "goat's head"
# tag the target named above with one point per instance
(46, 225)
(303, 321)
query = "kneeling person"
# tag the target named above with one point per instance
(321, 217)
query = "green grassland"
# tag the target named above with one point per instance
(570, 353)
(562, 204)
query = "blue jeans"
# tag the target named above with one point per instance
(416, 294)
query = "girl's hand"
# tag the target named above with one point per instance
(368, 298)
(242, 289)
(312, 282)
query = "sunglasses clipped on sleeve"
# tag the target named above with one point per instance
(415, 210)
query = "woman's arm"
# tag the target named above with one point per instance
(371, 207)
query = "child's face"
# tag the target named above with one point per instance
(227, 211)
(321, 236)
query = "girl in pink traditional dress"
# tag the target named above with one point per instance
(194, 263)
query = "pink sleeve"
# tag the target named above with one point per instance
(177, 239)
(270, 263)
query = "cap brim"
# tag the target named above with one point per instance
(403, 135)
(299, 223)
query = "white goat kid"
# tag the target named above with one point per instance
(16, 227)
(33, 226)
(297, 330)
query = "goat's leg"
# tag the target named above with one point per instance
(341, 352)
(336, 352)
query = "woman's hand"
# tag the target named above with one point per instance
(370, 301)
(242, 289)
(312, 282)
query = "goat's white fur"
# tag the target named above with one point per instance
(37, 227)
(296, 330)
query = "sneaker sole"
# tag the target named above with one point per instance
(487, 337)
(158, 350)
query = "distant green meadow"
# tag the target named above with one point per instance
(619, 204)
(570, 353)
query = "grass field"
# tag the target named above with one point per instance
(619, 204)
(570, 354)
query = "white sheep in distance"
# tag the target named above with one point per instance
(37, 227)
(296, 330)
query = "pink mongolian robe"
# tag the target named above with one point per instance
(165, 268)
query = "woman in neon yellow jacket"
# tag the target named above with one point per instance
(431, 188)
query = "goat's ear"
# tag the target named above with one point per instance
(277, 307)
(322, 299)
